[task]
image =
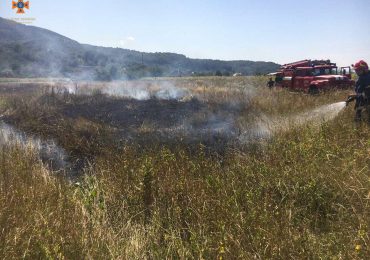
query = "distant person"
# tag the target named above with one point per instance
(270, 83)
(362, 89)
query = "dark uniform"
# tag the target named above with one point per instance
(362, 89)
(270, 83)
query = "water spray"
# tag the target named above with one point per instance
(266, 127)
(350, 99)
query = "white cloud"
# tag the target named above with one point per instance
(126, 42)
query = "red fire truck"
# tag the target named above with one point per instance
(313, 76)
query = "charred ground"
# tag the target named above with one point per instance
(89, 125)
(301, 194)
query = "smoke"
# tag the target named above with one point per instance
(258, 129)
(68, 85)
(171, 92)
(138, 93)
(214, 124)
(48, 151)
(125, 89)
(208, 119)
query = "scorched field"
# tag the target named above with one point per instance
(181, 168)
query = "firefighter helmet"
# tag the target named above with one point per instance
(361, 66)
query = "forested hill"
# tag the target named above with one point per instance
(28, 51)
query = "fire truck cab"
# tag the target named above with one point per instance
(313, 76)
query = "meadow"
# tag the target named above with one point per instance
(186, 168)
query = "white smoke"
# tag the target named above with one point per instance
(171, 92)
(48, 151)
(133, 90)
(71, 89)
(62, 85)
(216, 125)
(138, 93)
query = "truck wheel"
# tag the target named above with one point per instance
(313, 90)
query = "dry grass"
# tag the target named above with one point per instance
(303, 194)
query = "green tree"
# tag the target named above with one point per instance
(218, 73)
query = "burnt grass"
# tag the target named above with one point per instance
(131, 113)
(88, 126)
(303, 195)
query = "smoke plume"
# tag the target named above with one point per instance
(48, 151)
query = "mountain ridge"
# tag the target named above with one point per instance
(30, 51)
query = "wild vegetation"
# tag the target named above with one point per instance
(144, 191)
(28, 51)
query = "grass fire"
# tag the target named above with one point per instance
(208, 163)
(184, 130)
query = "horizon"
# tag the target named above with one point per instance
(254, 31)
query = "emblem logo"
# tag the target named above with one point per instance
(20, 5)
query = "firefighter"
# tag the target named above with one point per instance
(362, 89)
(270, 83)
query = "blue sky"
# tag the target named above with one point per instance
(270, 30)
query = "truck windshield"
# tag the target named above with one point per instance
(327, 71)
(316, 72)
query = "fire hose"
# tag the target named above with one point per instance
(350, 99)
(362, 103)
(362, 99)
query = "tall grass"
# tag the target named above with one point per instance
(303, 194)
